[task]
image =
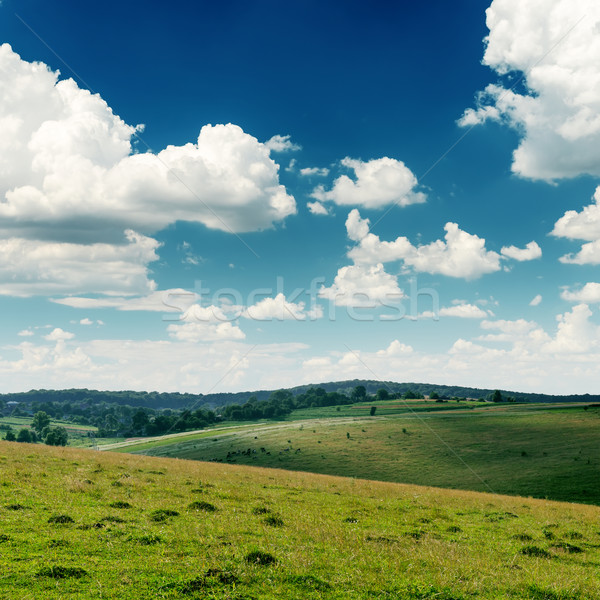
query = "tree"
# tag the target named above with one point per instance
(434, 396)
(24, 436)
(10, 436)
(40, 421)
(497, 396)
(56, 436)
(382, 394)
(372, 411)
(359, 393)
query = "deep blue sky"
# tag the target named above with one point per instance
(342, 79)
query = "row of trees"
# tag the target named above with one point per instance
(40, 431)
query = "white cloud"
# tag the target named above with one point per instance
(588, 255)
(379, 182)
(575, 332)
(205, 332)
(461, 311)
(555, 44)
(589, 294)
(584, 225)
(316, 208)
(172, 300)
(460, 255)
(66, 167)
(29, 267)
(25, 333)
(314, 171)
(86, 321)
(396, 348)
(536, 300)
(280, 309)
(58, 334)
(363, 286)
(281, 143)
(530, 252)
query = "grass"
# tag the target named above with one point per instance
(529, 450)
(335, 537)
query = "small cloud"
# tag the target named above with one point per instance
(536, 300)
(589, 293)
(292, 166)
(308, 171)
(86, 321)
(281, 143)
(58, 335)
(316, 208)
(530, 252)
(25, 332)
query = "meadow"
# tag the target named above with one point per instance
(84, 524)
(543, 451)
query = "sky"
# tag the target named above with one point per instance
(207, 197)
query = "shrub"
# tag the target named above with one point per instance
(58, 572)
(274, 521)
(260, 510)
(162, 514)
(60, 519)
(256, 557)
(200, 505)
(120, 504)
(535, 551)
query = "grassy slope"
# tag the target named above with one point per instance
(523, 450)
(337, 538)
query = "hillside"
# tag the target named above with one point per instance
(82, 524)
(541, 450)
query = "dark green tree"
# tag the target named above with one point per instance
(10, 436)
(372, 411)
(40, 421)
(359, 393)
(383, 394)
(24, 436)
(56, 436)
(497, 396)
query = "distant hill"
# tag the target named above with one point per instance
(176, 400)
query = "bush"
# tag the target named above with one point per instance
(58, 572)
(120, 504)
(200, 505)
(535, 551)
(60, 519)
(274, 521)
(260, 558)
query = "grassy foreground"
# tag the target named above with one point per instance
(83, 524)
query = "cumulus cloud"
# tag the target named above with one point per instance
(314, 171)
(25, 333)
(530, 252)
(29, 267)
(68, 175)
(58, 334)
(589, 294)
(536, 300)
(281, 143)
(460, 310)
(588, 255)
(316, 208)
(461, 254)
(396, 348)
(584, 225)
(378, 183)
(555, 44)
(281, 309)
(575, 332)
(363, 286)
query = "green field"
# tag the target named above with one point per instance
(84, 524)
(543, 451)
(79, 435)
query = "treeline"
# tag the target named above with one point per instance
(282, 402)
